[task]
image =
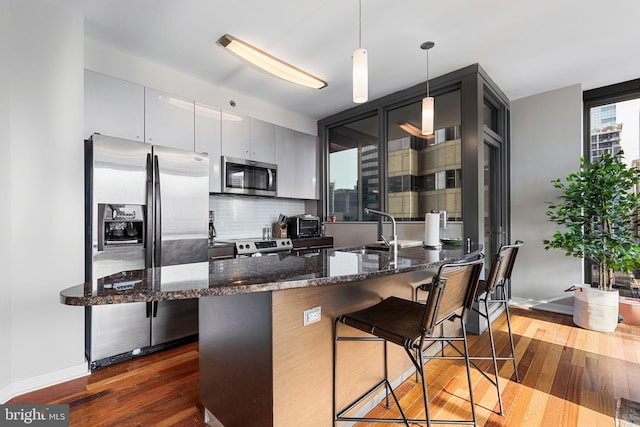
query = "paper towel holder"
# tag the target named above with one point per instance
(443, 219)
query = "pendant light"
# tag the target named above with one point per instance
(427, 102)
(360, 67)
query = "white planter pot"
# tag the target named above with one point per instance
(595, 309)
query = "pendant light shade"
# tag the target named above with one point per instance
(360, 66)
(427, 115)
(360, 76)
(427, 102)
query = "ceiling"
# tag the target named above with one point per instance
(527, 47)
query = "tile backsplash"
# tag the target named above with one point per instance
(239, 217)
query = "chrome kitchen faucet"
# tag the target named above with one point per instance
(393, 243)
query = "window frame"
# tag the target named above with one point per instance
(598, 97)
(475, 85)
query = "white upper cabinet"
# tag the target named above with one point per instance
(263, 141)
(207, 140)
(113, 107)
(122, 109)
(169, 120)
(305, 165)
(284, 156)
(248, 138)
(236, 135)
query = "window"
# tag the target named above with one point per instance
(353, 169)
(408, 175)
(612, 125)
(424, 172)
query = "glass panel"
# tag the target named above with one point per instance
(614, 128)
(490, 113)
(424, 172)
(353, 170)
(489, 202)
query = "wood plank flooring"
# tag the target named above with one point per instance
(569, 377)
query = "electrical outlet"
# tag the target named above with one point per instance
(312, 315)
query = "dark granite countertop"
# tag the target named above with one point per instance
(266, 273)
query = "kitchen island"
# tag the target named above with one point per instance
(260, 365)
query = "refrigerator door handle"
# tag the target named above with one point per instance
(155, 309)
(148, 240)
(149, 309)
(157, 214)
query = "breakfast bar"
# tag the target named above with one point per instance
(265, 324)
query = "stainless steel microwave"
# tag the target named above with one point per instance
(242, 176)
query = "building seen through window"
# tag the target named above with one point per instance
(353, 169)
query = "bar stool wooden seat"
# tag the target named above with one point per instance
(411, 325)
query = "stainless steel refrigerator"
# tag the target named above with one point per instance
(145, 206)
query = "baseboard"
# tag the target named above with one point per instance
(40, 381)
(542, 305)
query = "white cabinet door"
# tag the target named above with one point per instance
(305, 165)
(169, 120)
(113, 107)
(207, 136)
(285, 160)
(236, 135)
(263, 141)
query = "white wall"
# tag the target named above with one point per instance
(45, 200)
(107, 60)
(5, 195)
(546, 143)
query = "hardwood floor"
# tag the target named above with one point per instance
(570, 377)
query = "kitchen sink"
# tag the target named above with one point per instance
(373, 249)
(366, 251)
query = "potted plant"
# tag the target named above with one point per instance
(597, 210)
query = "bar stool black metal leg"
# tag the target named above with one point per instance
(425, 395)
(468, 363)
(335, 358)
(513, 350)
(387, 386)
(493, 356)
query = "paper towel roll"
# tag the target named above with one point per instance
(432, 229)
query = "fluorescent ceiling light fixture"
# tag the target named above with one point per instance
(269, 63)
(427, 102)
(360, 66)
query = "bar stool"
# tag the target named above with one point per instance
(492, 292)
(411, 325)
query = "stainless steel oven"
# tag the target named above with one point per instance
(242, 176)
(258, 247)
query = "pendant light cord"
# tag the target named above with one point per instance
(359, 24)
(427, 73)
(426, 46)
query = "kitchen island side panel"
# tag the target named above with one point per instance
(236, 358)
(303, 355)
